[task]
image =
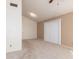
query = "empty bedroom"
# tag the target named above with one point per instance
(39, 29)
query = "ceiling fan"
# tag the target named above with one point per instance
(50, 1)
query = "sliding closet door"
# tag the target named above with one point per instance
(52, 31)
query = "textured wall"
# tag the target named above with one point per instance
(13, 26)
(67, 29)
(29, 28)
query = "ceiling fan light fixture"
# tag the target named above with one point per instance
(33, 14)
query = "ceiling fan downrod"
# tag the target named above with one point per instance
(50, 1)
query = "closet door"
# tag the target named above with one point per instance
(52, 31)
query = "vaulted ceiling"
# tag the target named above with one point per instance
(40, 10)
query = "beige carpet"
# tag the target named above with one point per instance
(38, 49)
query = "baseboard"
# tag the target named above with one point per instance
(29, 39)
(68, 47)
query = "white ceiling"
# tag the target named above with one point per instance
(44, 10)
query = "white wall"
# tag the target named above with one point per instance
(13, 26)
(29, 29)
(52, 31)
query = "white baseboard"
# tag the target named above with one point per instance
(30, 39)
(68, 47)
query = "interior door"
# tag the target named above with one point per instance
(52, 31)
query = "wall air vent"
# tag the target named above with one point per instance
(13, 4)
